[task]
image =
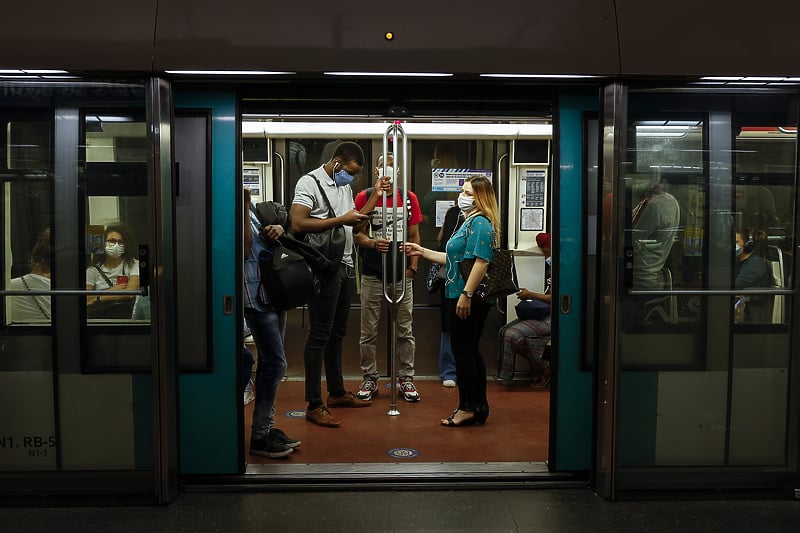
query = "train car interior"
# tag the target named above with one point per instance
(441, 152)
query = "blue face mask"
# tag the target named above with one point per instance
(549, 261)
(738, 249)
(342, 177)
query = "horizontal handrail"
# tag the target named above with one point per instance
(77, 292)
(710, 292)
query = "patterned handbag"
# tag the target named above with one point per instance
(434, 281)
(500, 279)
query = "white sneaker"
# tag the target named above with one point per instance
(368, 389)
(409, 391)
(449, 383)
(249, 397)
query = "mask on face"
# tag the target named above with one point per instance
(738, 250)
(115, 250)
(548, 261)
(342, 177)
(465, 203)
(434, 163)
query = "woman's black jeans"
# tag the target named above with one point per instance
(465, 337)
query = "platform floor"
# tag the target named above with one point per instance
(545, 510)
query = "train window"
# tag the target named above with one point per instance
(27, 170)
(666, 194)
(115, 176)
(29, 145)
(672, 146)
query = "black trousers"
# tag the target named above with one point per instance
(465, 336)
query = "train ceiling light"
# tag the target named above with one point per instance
(541, 76)
(228, 72)
(459, 130)
(392, 74)
(749, 80)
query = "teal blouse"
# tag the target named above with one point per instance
(474, 238)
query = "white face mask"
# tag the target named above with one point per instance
(465, 203)
(115, 250)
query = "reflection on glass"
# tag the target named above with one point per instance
(752, 272)
(33, 309)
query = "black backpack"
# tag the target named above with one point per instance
(288, 268)
(286, 277)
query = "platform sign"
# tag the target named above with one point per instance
(451, 179)
(534, 188)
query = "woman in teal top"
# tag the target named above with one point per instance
(475, 238)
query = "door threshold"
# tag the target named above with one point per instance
(391, 476)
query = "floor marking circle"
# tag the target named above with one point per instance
(403, 453)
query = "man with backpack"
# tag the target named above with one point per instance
(267, 325)
(374, 242)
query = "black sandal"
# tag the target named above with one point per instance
(449, 422)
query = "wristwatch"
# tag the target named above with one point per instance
(467, 293)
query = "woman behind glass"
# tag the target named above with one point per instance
(117, 268)
(475, 238)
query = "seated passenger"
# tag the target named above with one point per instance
(528, 337)
(117, 269)
(33, 308)
(752, 272)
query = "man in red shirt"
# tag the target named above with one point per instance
(374, 241)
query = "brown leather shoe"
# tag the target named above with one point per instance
(348, 400)
(322, 417)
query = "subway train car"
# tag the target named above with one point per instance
(659, 152)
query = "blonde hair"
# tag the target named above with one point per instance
(486, 202)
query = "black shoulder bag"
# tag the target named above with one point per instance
(501, 277)
(329, 242)
(110, 308)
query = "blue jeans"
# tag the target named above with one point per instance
(327, 315)
(447, 360)
(247, 366)
(267, 328)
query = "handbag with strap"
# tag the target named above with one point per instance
(500, 278)
(532, 309)
(110, 308)
(330, 242)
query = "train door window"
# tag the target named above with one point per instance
(115, 178)
(705, 345)
(27, 170)
(665, 194)
(117, 222)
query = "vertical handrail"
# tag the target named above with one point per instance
(396, 131)
(282, 180)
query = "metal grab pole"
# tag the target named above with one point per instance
(394, 299)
